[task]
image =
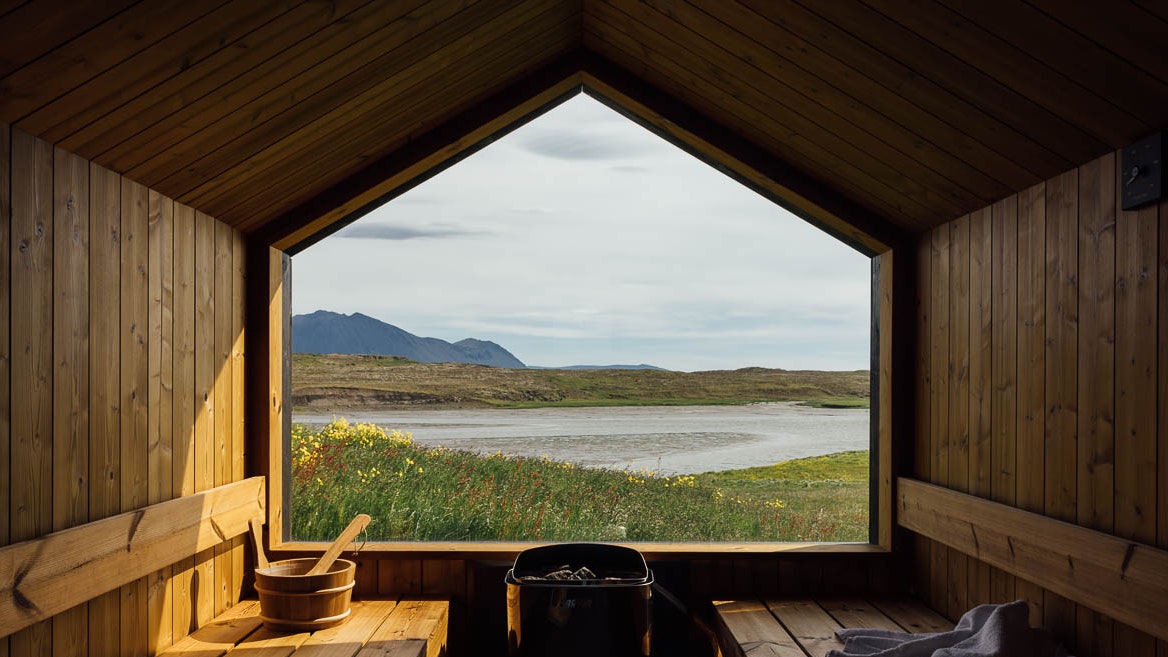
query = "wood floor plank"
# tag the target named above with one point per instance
(809, 624)
(857, 612)
(348, 639)
(220, 635)
(748, 627)
(268, 643)
(913, 616)
(426, 620)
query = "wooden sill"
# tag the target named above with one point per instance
(652, 551)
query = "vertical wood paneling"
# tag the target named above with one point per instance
(1030, 486)
(134, 373)
(1096, 349)
(958, 417)
(183, 420)
(1062, 335)
(31, 507)
(1096, 384)
(5, 352)
(99, 324)
(71, 371)
(922, 457)
(31, 503)
(203, 583)
(1077, 378)
(1162, 388)
(160, 423)
(1135, 393)
(238, 446)
(1004, 369)
(105, 490)
(221, 376)
(939, 412)
(980, 371)
(399, 577)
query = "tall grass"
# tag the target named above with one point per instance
(416, 493)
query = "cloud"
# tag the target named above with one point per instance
(593, 146)
(397, 233)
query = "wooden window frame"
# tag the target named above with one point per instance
(270, 350)
(276, 429)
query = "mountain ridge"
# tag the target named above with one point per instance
(327, 332)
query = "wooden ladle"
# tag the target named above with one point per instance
(330, 555)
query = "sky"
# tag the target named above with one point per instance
(583, 238)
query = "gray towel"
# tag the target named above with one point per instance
(984, 631)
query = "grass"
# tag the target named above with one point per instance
(340, 383)
(436, 494)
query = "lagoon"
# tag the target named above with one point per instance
(669, 440)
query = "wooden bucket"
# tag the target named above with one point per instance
(291, 601)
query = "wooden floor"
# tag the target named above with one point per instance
(386, 628)
(801, 627)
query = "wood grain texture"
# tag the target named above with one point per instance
(31, 447)
(1004, 370)
(959, 391)
(940, 276)
(297, 28)
(1062, 330)
(31, 504)
(922, 437)
(134, 375)
(238, 397)
(1162, 388)
(221, 367)
(93, 51)
(1125, 580)
(1136, 291)
(5, 327)
(104, 382)
(203, 580)
(1096, 417)
(160, 412)
(1031, 480)
(5, 346)
(71, 379)
(43, 574)
(980, 374)
(210, 33)
(88, 286)
(746, 627)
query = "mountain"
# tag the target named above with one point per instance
(642, 366)
(324, 332)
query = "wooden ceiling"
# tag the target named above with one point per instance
(281, 117)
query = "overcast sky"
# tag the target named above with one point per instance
(582, 238)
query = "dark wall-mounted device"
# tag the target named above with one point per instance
(1142, 172)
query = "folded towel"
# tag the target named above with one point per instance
(984, 631)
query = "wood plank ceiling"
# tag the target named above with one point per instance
(913, 112)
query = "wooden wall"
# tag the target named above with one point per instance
(121, 381)
(1042, 325)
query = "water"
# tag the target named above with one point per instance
(670, 440)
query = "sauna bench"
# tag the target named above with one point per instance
(798, 627)
(407, 627)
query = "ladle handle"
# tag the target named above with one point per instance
(257, 538)
(330, 555)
